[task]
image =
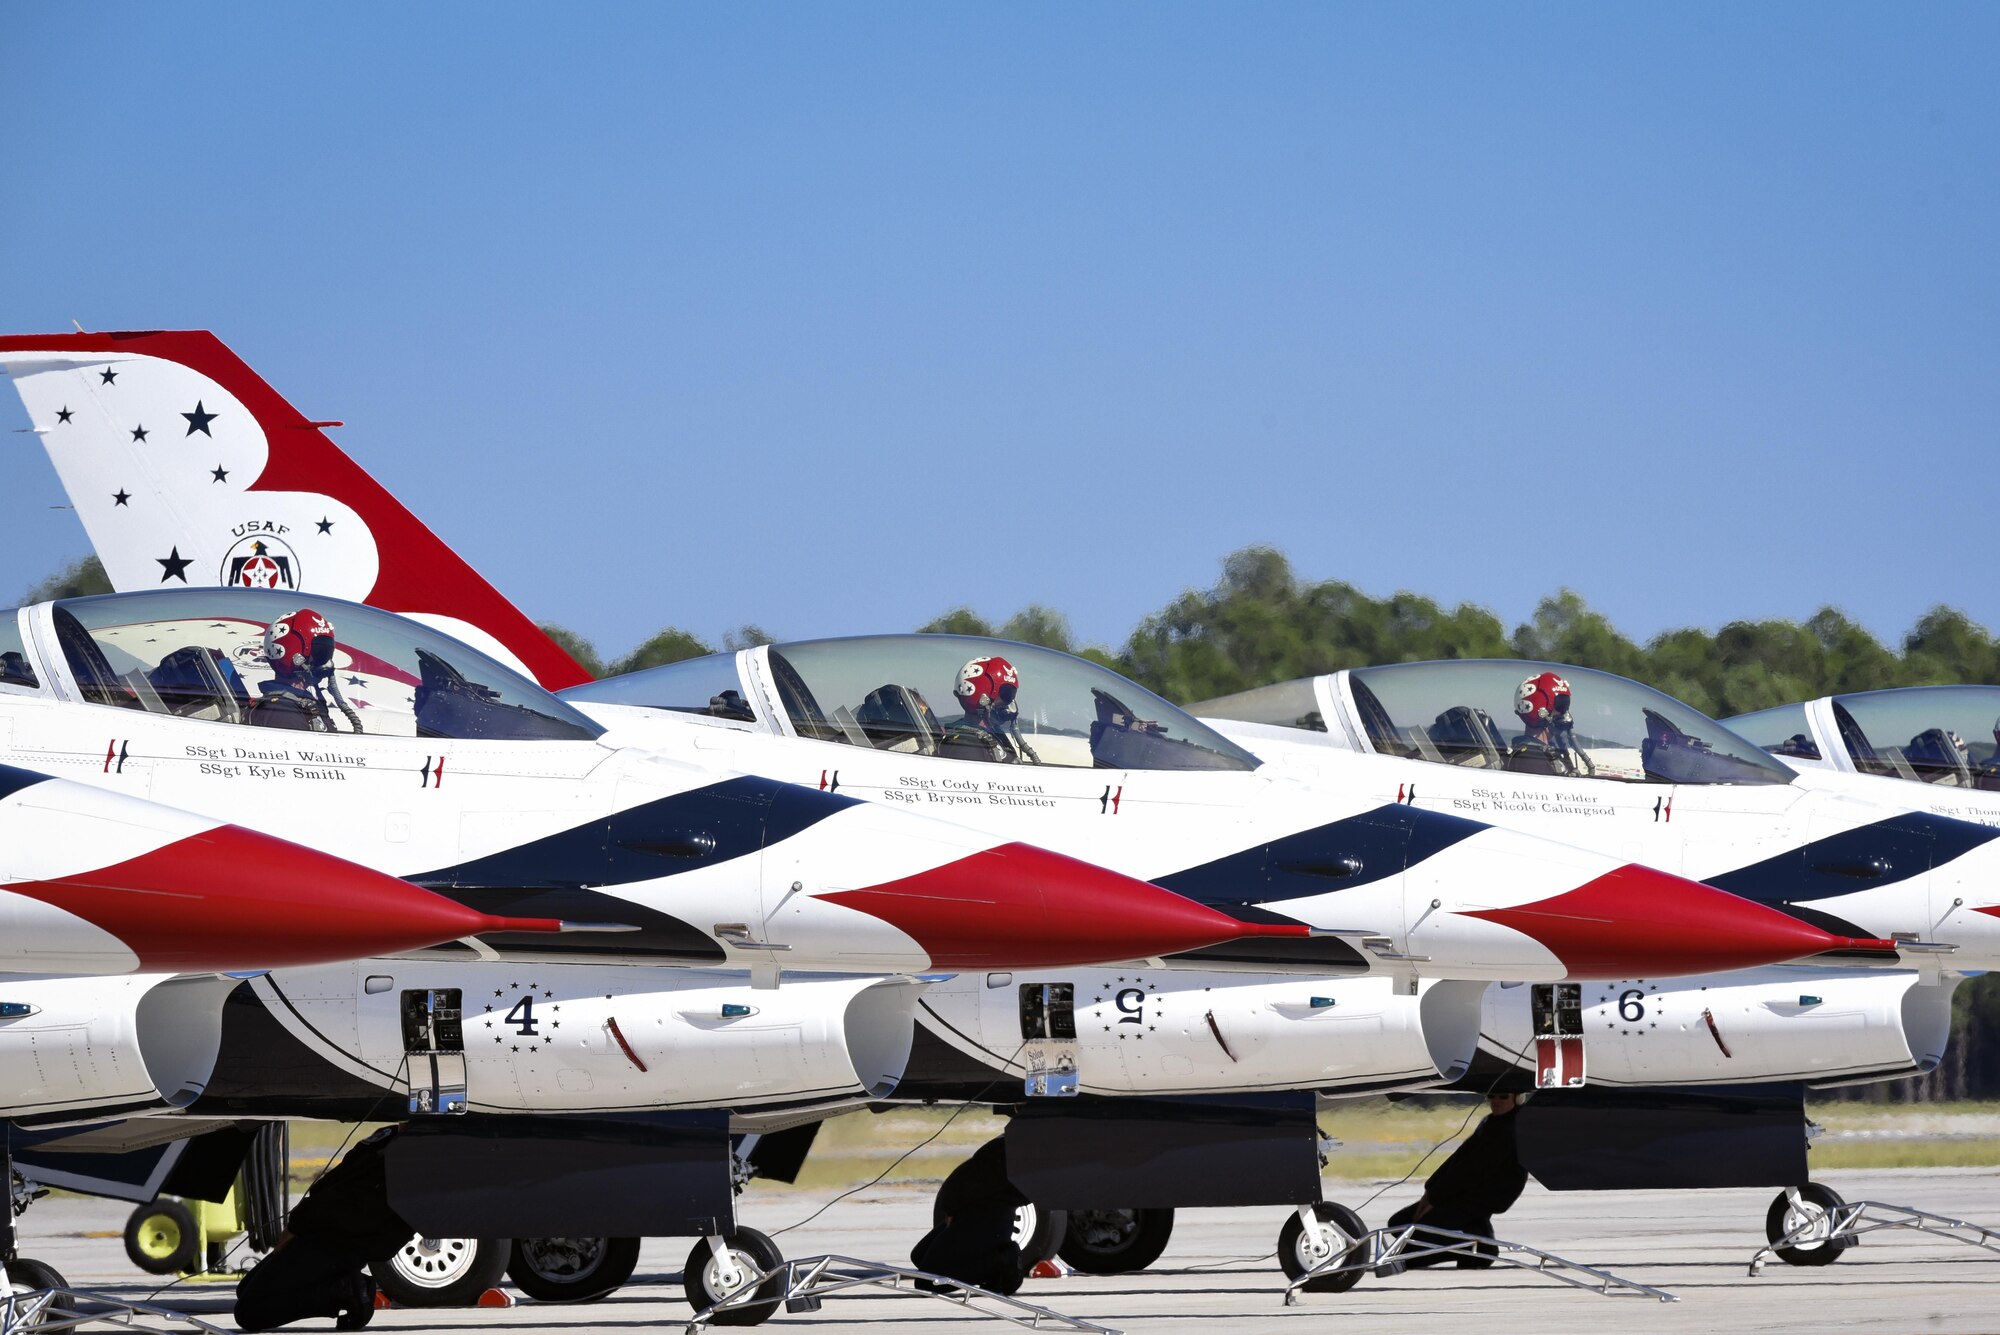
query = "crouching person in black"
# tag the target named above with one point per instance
(1482, 1178)
(318, 1267)
(974, 1238)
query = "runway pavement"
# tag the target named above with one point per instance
(1216, 1275)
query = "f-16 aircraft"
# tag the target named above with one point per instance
(1604, 762)
(1118, 775)
(1878, 744)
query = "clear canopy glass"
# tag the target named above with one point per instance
(1462, 712)
(207, 654)
(15, 669)
(1288, 704)
(1931, 734)
(902, 693)
(706, 685)
(1782, 731)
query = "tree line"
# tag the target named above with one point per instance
(1261, 623)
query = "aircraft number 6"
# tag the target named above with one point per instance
(1632, 1005)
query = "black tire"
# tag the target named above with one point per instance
(1296, 1256)
(749, 1248)
(35, 1274)
(161, 1238)
(1115, 1242)
(572, 1270)
(1780, 1219)
(1038, 1233)
(442, 1272)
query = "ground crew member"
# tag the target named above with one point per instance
(318, 1268)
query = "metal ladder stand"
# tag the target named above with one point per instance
(1049, 1057)
(1843, 1226)
(1559, 1062)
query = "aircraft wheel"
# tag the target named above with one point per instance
(1037, 1232)
(703, 1277)
(572, 1270)
(443, 1272)
(32, 1275)
(1115, 1242)
(1298, 1253)
(161, 1238)
(1816, 1205)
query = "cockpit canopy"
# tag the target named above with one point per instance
(901, 693)
(1931, 734)
(1462, 712)
(208, 654)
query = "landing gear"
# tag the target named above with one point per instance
(1334, 1229)
(161, 1238)
(1037, 1232)
(1116, 1242)
(572, 1270)
(443, 1272)
(1809, 1206)
(718, 1267)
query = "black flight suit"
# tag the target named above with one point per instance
(343, 1223)
(975, 1243)
(1482, 1178)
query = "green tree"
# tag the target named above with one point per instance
(582, 650)
(75, 580)
(670, 645)
(958, 621)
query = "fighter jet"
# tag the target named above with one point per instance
(1029, 741)
(1605, 762)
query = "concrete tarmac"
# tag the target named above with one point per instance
(1216, 1275)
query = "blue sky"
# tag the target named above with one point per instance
(832, 317)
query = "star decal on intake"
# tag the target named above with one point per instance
(219, 473)
(62, 415)
(356, 681)
(139, 433)
(108, 375)
(198, 420)
(326, 526)
(174, 566)
(121, 496)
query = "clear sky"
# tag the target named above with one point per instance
(831, 317)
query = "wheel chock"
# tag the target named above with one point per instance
(490, 1298)
(1049, 1269)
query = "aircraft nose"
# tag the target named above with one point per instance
(1016, 906)
(228, 898)
(1637, 922)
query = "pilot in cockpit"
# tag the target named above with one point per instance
(1542, 705)
(299, 649)
(987, 691)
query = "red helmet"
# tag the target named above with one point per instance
(1544, 698)
(302, 640)
(986, 683)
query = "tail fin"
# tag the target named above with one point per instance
(185, 466)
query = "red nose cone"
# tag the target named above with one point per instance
(231, 899)
(1636, 922)
(1021, 907)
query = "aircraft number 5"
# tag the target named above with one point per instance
(1632, 1005)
